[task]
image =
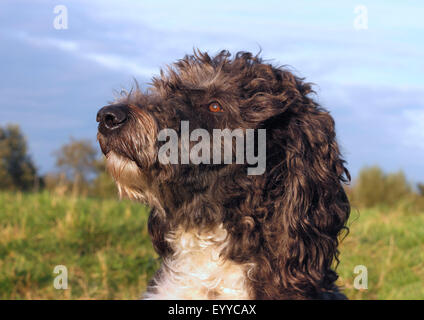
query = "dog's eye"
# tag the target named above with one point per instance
(215, 107)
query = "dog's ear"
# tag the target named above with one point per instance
(305, 184)
(271, 92)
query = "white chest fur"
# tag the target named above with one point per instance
(196, 270)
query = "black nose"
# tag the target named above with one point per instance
(112, 117)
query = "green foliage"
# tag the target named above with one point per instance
(17, 171)
(374, 187)
(80, 171)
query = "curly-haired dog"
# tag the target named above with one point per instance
(222, 233)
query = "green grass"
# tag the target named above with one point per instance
(106, 248)
(390, 243)
(104, 245)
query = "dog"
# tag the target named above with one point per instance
(220, 232)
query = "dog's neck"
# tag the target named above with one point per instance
(196, 270)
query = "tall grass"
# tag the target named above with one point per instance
(106, 248)
(104, 245)
(390, 243)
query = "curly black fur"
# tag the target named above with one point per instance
(286, 221)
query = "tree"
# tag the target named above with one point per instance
(420, 187)
(17, 171)
(81, 170)
(369, 187)
(396, 188)
(374, 187)
(78, 161)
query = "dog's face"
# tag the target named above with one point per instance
(203, 93)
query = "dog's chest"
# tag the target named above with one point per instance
(196, 271)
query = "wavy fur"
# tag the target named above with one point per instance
(283, 226)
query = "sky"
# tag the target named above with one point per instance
(366, 59)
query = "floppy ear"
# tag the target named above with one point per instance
(310, 207)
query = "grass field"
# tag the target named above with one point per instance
(105, 246)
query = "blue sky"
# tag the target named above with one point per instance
(54, 81)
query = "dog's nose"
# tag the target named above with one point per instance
(112, 117)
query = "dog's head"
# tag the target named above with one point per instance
(288, 213)
(203, 96)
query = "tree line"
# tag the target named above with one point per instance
(79, 167)
(80, 170)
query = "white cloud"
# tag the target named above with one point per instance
(111, 61)
(116, 62)
(65, 45)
